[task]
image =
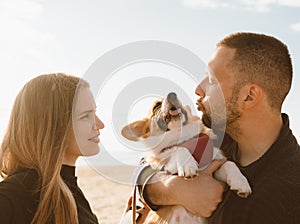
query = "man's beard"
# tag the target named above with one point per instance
(220, 123)
(233, 116)
(206, 119)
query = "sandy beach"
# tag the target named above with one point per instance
(107, 197)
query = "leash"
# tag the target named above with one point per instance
(133, 205)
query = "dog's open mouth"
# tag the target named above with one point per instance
(171, 111)
(174, 111)
(174, 114)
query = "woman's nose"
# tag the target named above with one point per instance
(98, 123)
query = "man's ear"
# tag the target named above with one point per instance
(136, 130)
(252, 94)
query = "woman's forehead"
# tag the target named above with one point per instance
(85, 100)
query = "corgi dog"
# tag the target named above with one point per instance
(168, 132)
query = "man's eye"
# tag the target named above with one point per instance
(211, 80)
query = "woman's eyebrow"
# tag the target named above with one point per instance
(86, 111)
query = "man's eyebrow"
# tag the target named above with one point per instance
(208, 72)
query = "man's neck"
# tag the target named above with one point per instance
(257, 136)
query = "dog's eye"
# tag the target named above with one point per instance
(162, 124)
(147, 130)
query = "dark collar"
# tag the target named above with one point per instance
(67, 171)
(68, 174)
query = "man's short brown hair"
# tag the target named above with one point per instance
(262, 60)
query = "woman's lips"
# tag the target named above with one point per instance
(95, 139)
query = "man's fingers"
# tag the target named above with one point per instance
(144, 204)
(215, 164)
(129, 203)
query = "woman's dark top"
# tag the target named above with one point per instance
(19, 197)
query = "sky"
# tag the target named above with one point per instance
(39, 36)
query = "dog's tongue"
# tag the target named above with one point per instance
(201, 148)
(174, 112)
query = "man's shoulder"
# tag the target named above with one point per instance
(293, 156)
(288, 170)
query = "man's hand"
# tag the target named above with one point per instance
(141, 211)
(200, 195)
(203, 193)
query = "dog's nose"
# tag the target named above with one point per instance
(172, 96)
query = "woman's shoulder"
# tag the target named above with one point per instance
(19, 196)
(20, 183)
(6, 209)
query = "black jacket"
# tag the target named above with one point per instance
(275, 183)
(19, 198)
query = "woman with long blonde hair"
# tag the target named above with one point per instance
(53, 121)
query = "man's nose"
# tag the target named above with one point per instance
(200, 91)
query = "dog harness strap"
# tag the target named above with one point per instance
(143, 178)
(201, 148)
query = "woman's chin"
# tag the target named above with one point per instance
(91, 151)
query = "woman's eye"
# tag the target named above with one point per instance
(85, 116)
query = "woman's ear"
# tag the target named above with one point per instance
(252, 95)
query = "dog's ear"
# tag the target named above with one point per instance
(188, 109)
(155, 107)
(136, 130)
(189, 113)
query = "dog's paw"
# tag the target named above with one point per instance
(240, 185)
(187, 166)
(230, 173)
(189, 170)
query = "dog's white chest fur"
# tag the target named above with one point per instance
(165, 152)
